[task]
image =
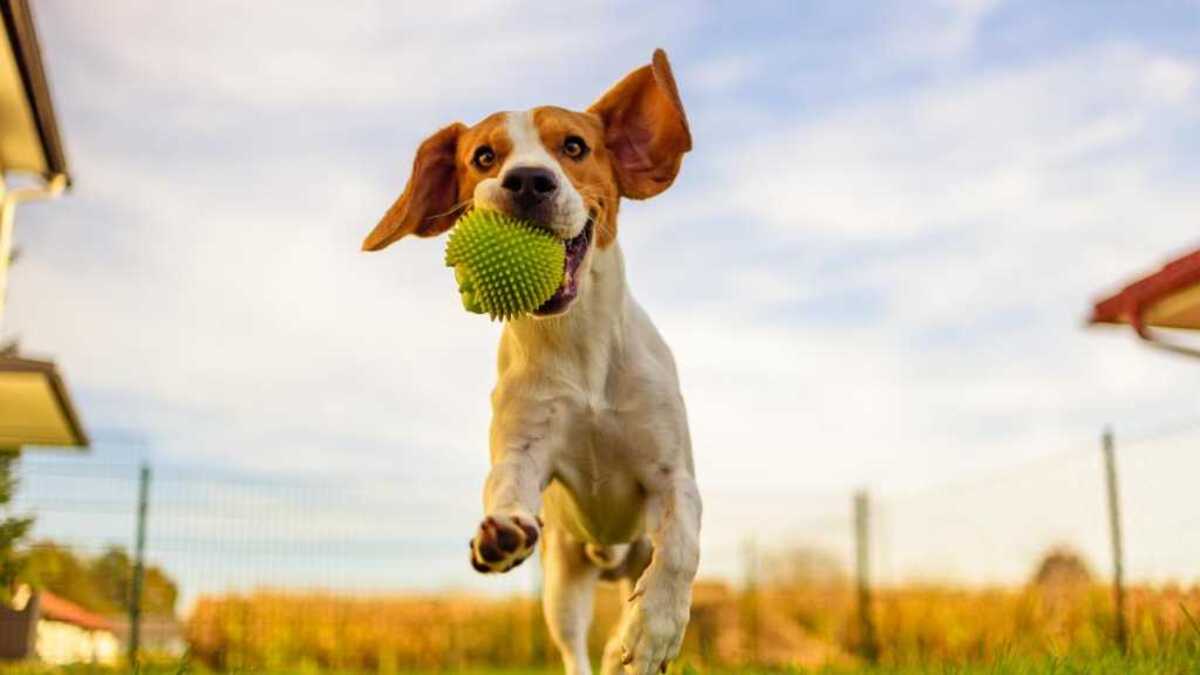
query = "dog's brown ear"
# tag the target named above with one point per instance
(426, 207)
(645, 128)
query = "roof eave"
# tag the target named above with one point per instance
(57, 387)
(18, 23)
(1132, 302)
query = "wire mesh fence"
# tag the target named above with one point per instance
(252, 571)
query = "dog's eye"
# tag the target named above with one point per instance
(484, 157)
(574, 147)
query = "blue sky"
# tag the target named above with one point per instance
(873, 268)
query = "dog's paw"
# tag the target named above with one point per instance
(652, 628)
(503, 542)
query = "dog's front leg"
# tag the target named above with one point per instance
(512, 497)
(652, 627)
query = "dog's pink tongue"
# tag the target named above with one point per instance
(576, 249)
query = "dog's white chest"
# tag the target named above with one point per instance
(596, 493)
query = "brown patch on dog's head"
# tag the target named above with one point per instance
(634, 138)
(442, 182)
(645, 128)
(426, 205)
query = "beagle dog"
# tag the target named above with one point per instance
(590, 451)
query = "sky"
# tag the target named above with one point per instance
(873, 269)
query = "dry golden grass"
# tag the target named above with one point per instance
(276, 630)
(779, 626)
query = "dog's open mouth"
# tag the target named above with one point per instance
(577, 248)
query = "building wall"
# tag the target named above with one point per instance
(61, 643)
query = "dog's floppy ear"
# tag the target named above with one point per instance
(645, 128)
(426, 207)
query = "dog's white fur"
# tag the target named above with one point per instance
(589, 434)
(589, 429)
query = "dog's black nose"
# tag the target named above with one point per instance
(530, 185)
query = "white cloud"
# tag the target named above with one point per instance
(949, 29)
(285, 55)
(973, 152)
(723, 72)
(1171, 79)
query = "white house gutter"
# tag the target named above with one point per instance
(8, 206)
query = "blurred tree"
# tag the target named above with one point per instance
(54, 567)
(101, 584)
(159, 592)
(1062, 567)
(112, 572)
(12, 528)
(113, 575)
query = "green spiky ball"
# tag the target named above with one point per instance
(505, 267)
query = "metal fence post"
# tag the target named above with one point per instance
(139, 567)
(862, 537)
(1118, 548)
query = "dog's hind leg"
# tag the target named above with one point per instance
(570, 585)
(636, 558)
(653, 623)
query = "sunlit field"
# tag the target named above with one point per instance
(1180, 661)
(1060, 627)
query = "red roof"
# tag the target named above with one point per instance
(55, 608)
(1142, 302)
